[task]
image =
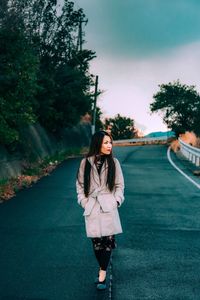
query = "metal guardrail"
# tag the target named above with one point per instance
(190, 152)
(145, 140)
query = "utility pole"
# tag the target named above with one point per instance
(94, 105)
(80, 34)
(80, 39)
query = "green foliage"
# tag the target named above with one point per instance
(43, 75)
(121, 127)
(99, 124)
(179, 105)
(64, 81)
(18, 82)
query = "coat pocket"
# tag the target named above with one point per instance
(89, 206)
(107, 202)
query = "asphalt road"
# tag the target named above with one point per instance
(159, 253)
(45, 255)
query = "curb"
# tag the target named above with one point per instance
(182, 168)
(188, 164)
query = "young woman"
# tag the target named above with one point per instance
(100, 191)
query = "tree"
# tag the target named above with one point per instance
(121, 127)
(98, 124)
(18, 76)
(179, 105)
(64, 77)
(43, 76)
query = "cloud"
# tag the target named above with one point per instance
(140, 28)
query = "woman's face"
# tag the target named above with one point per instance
(106, 146)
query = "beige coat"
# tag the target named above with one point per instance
(101, 207)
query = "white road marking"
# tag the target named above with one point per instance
(179, 170)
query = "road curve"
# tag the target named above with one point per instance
(44, 254)
(158, 254)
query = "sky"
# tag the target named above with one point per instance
(141, 44)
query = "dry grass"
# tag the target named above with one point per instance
(140, 143)
(32, 172)
(188, 137)
(9, 188)
(175, 146)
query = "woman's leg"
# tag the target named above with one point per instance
(105, 259)
(97, 249)
(103, 249)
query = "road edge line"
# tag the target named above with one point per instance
(179, 170)
(110, 278)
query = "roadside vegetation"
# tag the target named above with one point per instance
(44, 78)
(32, 172)
(44, 74)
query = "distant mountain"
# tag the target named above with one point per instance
(161, 133)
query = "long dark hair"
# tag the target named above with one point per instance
(95, 150)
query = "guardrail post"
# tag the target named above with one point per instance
(190, 152)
